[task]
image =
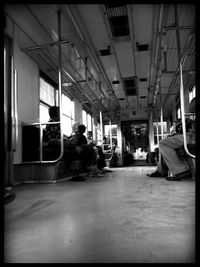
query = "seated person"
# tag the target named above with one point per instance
(167, 148)
(51, 139)
(52, 131)
(86, 151)
(51, 134)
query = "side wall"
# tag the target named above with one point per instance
(27, 86)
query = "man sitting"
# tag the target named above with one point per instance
(167, 148)
(52, 139)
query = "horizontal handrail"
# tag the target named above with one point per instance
(41, 137)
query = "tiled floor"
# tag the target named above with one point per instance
(124, 216)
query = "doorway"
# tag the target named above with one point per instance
(135, 136)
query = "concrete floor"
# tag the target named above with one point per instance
(124, 216)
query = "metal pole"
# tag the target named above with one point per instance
(183, 113)
(110, 134)
(161, 113)
(157, 133)
(60, 82)
(181, 85)
(44, 45)
(101, 126)
(15, 110)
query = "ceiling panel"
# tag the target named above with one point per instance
(95, 25)
(110, 66)
(142, 64)
(142, 21)
(125, 59)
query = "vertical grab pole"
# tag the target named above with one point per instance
(101, 126)
(157, 132)
(60, 80)
(183, 113)
(181, 83)
(110, 134)
(161, 112)
(15, 110)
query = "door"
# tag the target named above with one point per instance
(135, 136)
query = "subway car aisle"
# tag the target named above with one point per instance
(123, 217)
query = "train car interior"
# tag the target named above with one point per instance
(127, 73)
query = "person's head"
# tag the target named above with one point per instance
(81, 128)
(54, 113)
(75, 127)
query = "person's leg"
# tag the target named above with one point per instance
(167, 150)
(158, 172)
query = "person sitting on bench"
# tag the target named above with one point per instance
(51, 139)
(167, 148)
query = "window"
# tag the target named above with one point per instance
(113, 129)
(49, 97)
(87, 121)
(68, 114)
(44, 112)
(157, 131)
(47, 93)
(84, 117)
(192, 94)
(179, 113)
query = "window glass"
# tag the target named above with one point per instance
(67, 125)
(47, 92)
(178, 113)
(49, 97)
(192, 94)
(84, 117)
(67, 106)
(89, 122)
(44, 113)
(68, 114)
(113, 129)
(157, 131)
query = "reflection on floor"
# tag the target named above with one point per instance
(124, 217)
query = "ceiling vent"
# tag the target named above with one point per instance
(142, 47)
(131, 86)
(118, 19)
(143, 79)
(115, 82)
(143, 96)
(105, 52)
(121, 98)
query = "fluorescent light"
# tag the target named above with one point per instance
(67, 84)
